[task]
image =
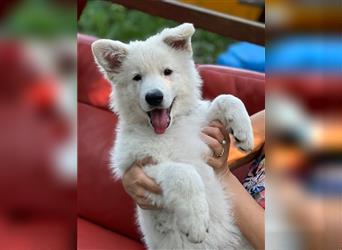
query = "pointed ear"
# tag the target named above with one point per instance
(109, 54)
(179, 37)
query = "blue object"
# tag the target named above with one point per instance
(245, 56)
(305, 53)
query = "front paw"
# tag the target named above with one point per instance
(163, 222)
(162, 227)
(242, 131)
(195, 225)
(237, 120)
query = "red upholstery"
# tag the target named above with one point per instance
(37, 206)
(246, 85)
(98, 193)
(92, 88)
(101, 200)
(37, 233)
(319, 93)
(92, 236)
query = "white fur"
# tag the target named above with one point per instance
(197, 213)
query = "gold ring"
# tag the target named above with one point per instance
(219, 155)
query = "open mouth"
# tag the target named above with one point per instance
(160, 119)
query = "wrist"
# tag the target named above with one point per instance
(223, 172)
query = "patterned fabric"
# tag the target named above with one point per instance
(255, 180)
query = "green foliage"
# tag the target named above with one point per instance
(107, 20)
(40, 19)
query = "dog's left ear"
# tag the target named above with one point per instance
(179, 37)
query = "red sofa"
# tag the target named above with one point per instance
(37, 207)
(105, 211)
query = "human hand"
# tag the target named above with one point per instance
(217, 138)
(136, 183)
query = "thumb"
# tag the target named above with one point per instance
(150, 185)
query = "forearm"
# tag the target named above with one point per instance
(249, 215)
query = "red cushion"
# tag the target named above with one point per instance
(319, 93)
(37, 232)
(92, 87)
(100, 198)
(92, 236)
(247, 85)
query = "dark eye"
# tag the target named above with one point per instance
(167, 72)
(137, 77)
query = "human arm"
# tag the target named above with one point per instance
(248, 214)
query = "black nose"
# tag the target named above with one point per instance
(154, 97)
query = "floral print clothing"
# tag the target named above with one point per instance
(254, 183)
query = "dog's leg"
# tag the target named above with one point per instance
(232, 113)
(184, 196)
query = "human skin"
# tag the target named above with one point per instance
(248, 214)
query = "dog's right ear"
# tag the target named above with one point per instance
(109, 54)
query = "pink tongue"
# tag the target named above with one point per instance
(160, 120)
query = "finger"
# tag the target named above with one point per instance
(205, 138)
(150, 185)
(149, 207)
(214, 162)
(225, 134)
(227, 139)
(217, 161)
(139, 193)
(132, 178)
(214, 132)
(226, 147)
(146, 204)
(142, 180)
(213, 144)
(145, 161)
(217, 164)
(216, 123)
(222, 129)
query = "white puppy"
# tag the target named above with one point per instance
(157, 95)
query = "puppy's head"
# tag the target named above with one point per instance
(155, 80)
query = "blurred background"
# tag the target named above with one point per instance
(38, 124)
(105, 19)
(99, 19)
(304, 125)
